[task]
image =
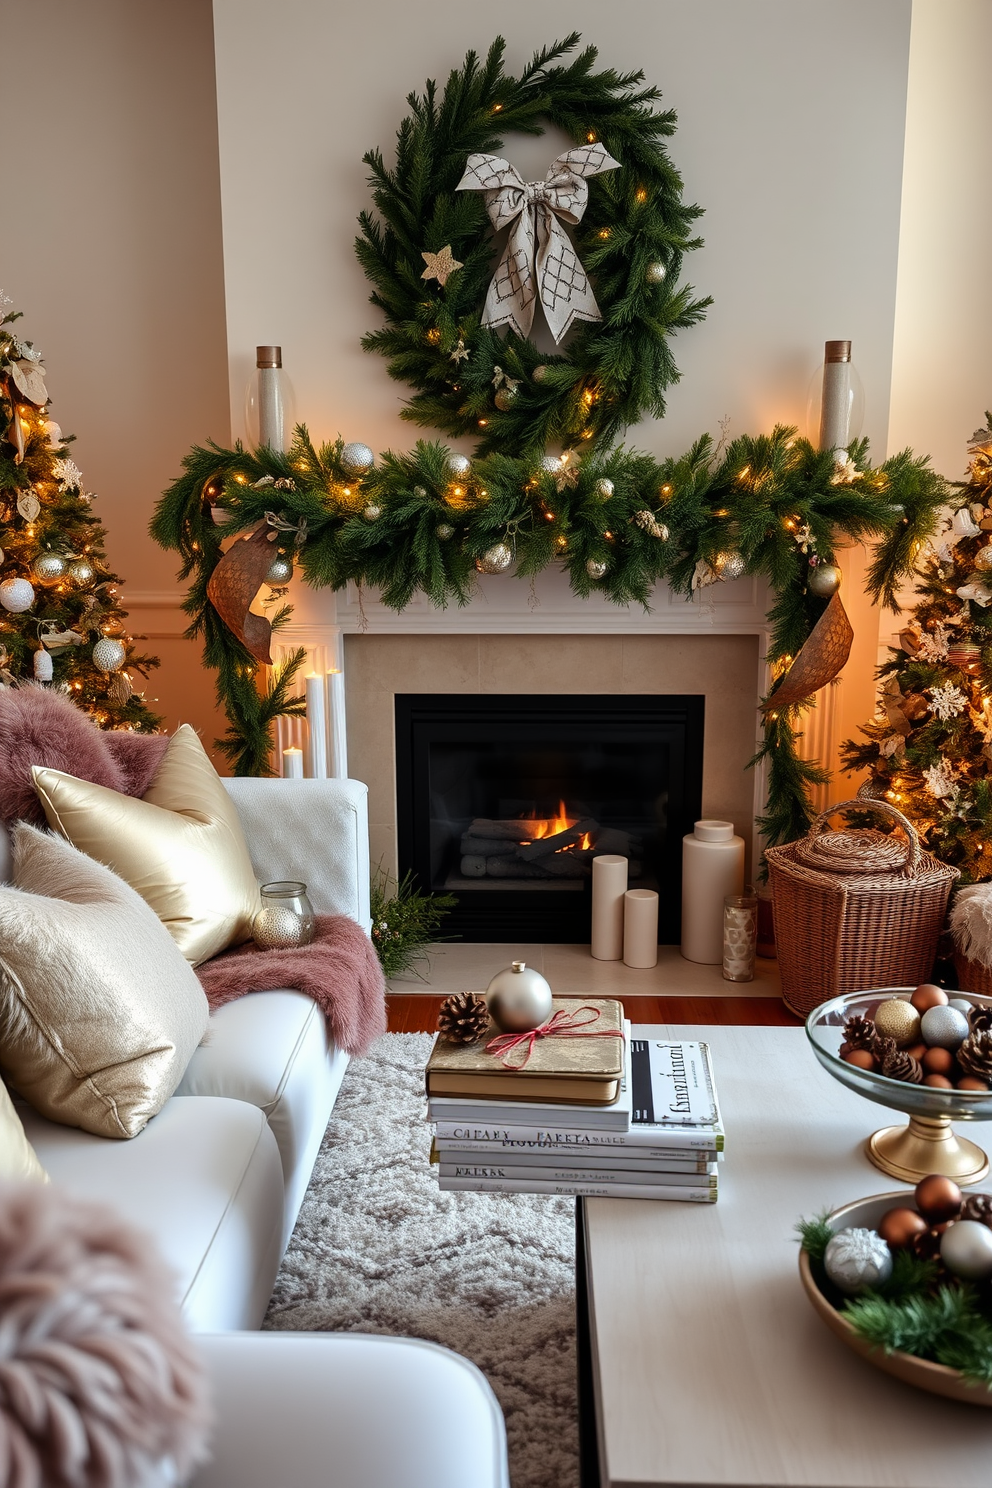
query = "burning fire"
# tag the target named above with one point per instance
(537, 827)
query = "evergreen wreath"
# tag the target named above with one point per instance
(499, 389)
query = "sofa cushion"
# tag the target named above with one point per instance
(18, 1158)
(99, 1013)
(205, 1182)
(180, 846)
(272, 1050)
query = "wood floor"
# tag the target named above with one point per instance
(417, 1013)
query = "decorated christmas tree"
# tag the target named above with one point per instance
(929, 748)
(61, 621)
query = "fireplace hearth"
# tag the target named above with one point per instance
(505, 801)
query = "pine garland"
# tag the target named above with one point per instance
(632, 241)
(617, 522)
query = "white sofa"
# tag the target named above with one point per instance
(218, 1178)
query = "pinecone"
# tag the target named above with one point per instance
(980, 1018)
(978, 1207)
(463, 1018)
(859, 1032)
(975, 1055)
(883, 1048)
(900, 1065)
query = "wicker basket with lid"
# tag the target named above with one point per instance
(855, 908)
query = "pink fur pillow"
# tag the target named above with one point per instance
(100, 1385)
(40, 727)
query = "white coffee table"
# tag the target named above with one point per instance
(709, 1367)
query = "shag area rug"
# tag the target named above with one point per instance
(379, 1249)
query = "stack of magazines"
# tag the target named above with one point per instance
(660, 1136)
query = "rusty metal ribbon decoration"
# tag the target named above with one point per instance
(539, 259)
(821, 659)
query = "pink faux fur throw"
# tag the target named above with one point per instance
(99, 1380)
(339, 969)
(40, 727)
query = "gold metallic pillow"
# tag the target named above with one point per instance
(18, 1158)
(180, 846)
(99, 1012)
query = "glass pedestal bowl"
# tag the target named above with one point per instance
(929, 1143)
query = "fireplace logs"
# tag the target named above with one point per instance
(527, 847)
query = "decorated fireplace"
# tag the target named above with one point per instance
(504, 801)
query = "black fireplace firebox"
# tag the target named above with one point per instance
(505, 801)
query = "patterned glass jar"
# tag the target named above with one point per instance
(285, 918)
(740, 936)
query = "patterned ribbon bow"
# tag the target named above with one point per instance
(538, 257)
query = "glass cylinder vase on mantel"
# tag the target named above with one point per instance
(835, 405)
(270, 406)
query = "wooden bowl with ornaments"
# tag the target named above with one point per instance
(921, 1050)
(925, 1374)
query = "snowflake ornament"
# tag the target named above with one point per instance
(68, 474)
(933, 646)
(947, 701)
(845, 470)
(940, 782)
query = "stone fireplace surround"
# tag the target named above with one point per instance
(519, 638)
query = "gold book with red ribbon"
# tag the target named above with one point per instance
(575, 1057)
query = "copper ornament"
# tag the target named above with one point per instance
(233, 585)
(938, 1198)
(900, 1227)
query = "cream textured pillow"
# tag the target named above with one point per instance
(180, 846)
(99, 1012)
(18, 1158)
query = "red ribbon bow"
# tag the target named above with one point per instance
(561, 1024)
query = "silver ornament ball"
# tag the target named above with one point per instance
(549, 465)
(983, 558)
(540, 373)
(42, 667)
(16, 596)
(857, 1259)
(966, 1250)
(47, 568)
(505, 398)
(594, 568)
(655, 273)
(445, 530)
(604, 488)
(458, 466)
(81, 573)
(372, 512)
(420, 492)
(519, 999)
(948, 1030)
(109, 655)
(495, 560)
(729, 566)
(824, 580)
(960, 1005)
(357, 459)
(280, 570)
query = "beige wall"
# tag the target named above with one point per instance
(112, 249)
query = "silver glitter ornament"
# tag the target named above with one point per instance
(16, 596)
(655, 273)
(495, 560)
(357, 459)
(420, 492)
(966, 1250)
(519, 999)
(594, 568)
(458, 465)
(505, 398)
(280, 570)
(604, 488)
(550, 464)
(730, 566)
(47, 568)
(857, 1259)
(372, 513)
(960, 1005)
(286, 917)
(445, 530)
(983, 558)
(109, 655)
(540, 373)
(42, 666)
(824, 580)
(81, 573)
(948, 1030)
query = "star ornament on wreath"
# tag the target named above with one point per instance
(599, 244)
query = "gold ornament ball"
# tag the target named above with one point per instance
(109, 655)
(656, 273)
(897, 1020)
(280, 571)
(445, 530)
(594, 568)
(604, 488)
(495, 560)
(540, 373)
(729, 566)
(983, 558)
(550, 465)
(458, 465)
(356, 459)
(505, 398)
(518, 999)
(81, 573)
(372, 512)
(16, 596)
(824, 580)
(47, 568)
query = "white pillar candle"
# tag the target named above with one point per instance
(640, 928)
(609, 884)
(712, 868)
(292, 764)
(339, 725)
(317, 726)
